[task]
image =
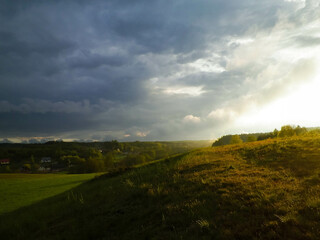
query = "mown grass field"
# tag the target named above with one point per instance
(19, 190)
(261, 190)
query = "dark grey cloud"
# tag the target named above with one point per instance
(134, 69)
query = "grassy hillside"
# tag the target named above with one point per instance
(18, 190)
(261, 190)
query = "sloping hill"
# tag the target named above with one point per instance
(262, 190)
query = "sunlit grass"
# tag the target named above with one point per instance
(19, 190)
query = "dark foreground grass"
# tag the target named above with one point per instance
(218, 193)
(19, 190)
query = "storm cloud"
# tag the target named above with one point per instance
(148, 70)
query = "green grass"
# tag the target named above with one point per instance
(19, 190)
(261, 190)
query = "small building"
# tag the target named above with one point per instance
(46, 160)
(44, 169)
(4, 161)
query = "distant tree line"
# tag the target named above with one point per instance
(285, 131)
(78, 157)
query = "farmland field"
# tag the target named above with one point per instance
(18, 190)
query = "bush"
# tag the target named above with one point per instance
(94, 165)
(235, 139)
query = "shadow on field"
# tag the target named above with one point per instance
(101, 208)
(62, 184)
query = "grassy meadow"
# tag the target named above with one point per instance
(261, 190)
(19, 190)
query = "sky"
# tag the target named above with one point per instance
(157, 69)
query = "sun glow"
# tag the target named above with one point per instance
(299, 107)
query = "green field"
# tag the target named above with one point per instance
(19, 190)
(262, 190)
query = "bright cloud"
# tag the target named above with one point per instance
(222, 114)
(191, 118)
(207, 65)
(142, 134)
(192, 91)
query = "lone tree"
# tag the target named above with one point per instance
(286, 131)
(235, 139)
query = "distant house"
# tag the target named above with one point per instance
(44, 169)
(4, 161)
(46, 160)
